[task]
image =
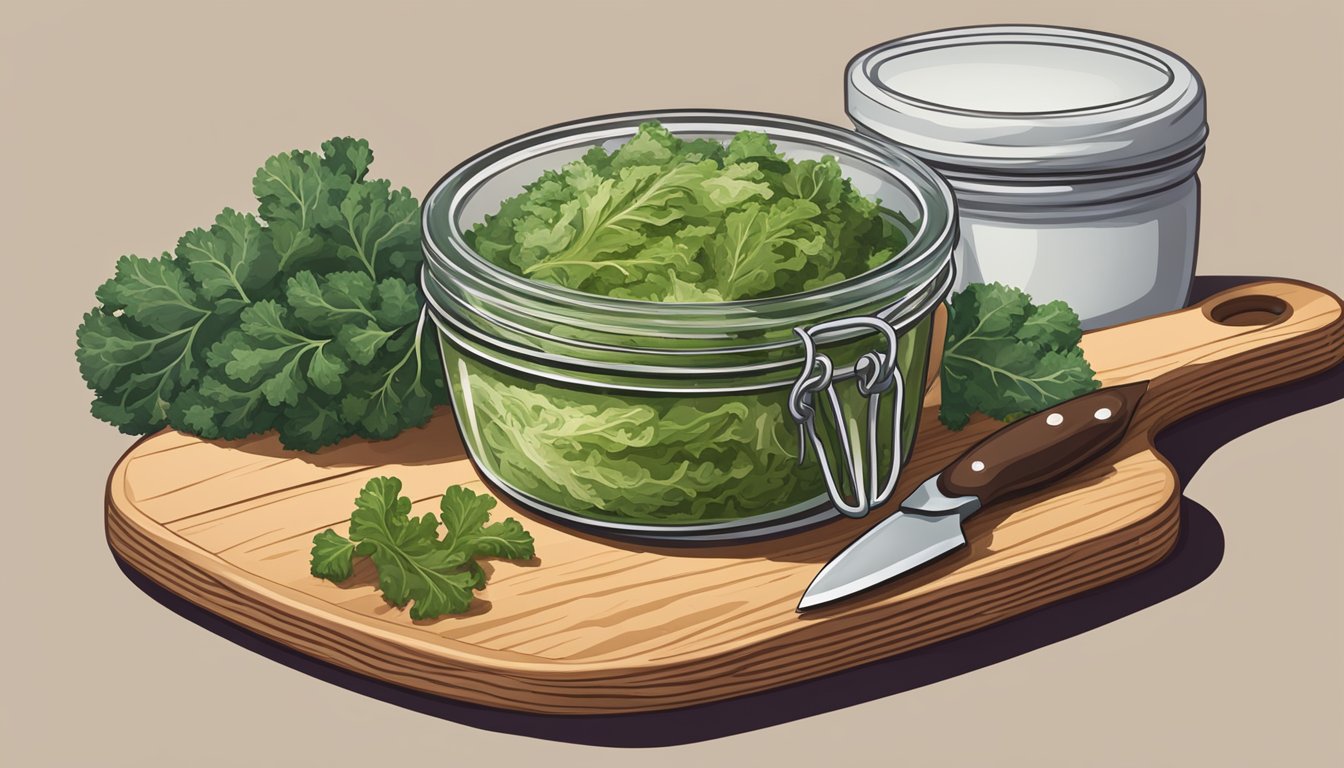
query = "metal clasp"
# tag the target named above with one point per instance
(874, 373)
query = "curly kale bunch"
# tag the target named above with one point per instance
(305, 318)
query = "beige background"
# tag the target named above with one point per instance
(124, 126)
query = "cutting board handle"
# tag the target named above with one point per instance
(1238, 341)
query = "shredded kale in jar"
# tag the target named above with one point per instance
(663, 218)
(667, 219)
(655, 458)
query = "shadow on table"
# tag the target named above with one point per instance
(1197, 554)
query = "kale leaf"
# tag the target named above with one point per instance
(414, 565)
(666, 219)
(1007, 357)
(306, 319)
(333, 556)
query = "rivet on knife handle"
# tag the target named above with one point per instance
(1044, 446)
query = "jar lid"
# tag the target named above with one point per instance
(1029, 99)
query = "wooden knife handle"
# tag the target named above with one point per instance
(1044, 446)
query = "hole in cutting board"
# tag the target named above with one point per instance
(1250, 310)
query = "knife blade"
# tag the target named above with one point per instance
(1024, 455)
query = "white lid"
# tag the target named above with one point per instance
(1028, 99)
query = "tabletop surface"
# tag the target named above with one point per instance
(127, 126)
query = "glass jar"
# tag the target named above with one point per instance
(1072, 155)
(706, 420)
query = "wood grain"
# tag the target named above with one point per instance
(596, 626)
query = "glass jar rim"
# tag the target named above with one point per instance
(468, 279)
(1145, 126)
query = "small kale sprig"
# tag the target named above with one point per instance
(413, 563)
(306, 319)
(1007, 357)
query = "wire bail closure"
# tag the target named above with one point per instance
(874, 373)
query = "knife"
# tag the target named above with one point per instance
(1024, 455)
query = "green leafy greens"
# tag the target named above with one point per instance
(664, 459)
(666, 219)
(1007, 357)
(306, 320)
(413, 562)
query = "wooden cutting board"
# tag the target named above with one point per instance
(598, 626)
